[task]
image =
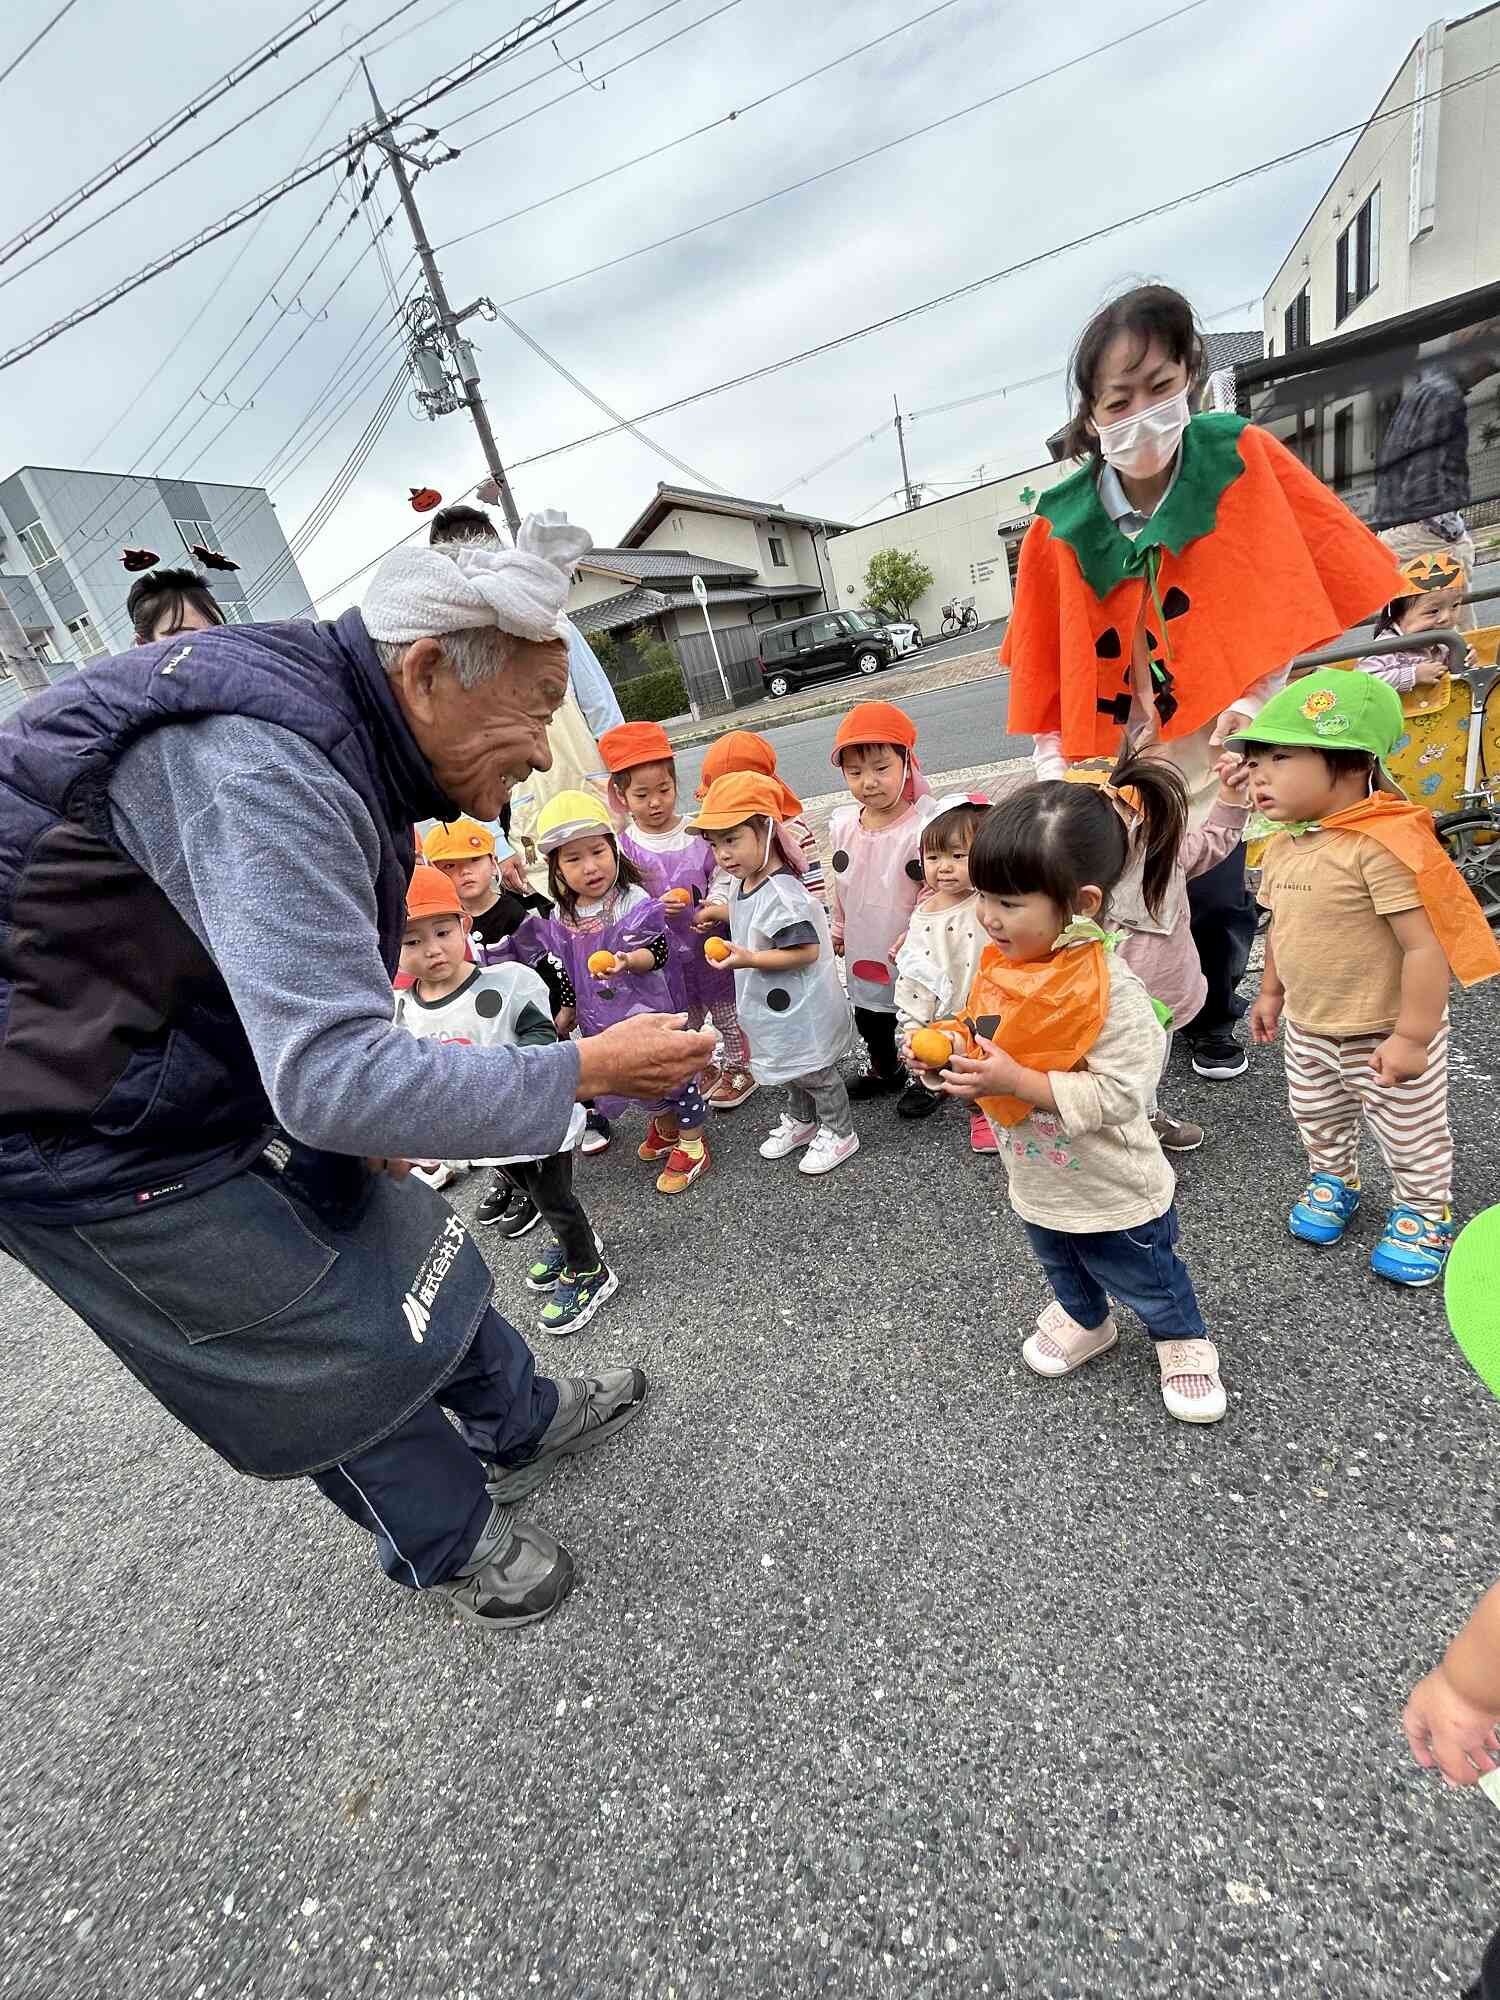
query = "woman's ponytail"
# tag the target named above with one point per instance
(1162, 799)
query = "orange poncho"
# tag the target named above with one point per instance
(1248, 561)
(1405, 831)
(1045, 1014)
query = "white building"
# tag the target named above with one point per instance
(1410, 218)
(62, 534)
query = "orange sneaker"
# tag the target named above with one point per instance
(656, 1145)
(680, 1171)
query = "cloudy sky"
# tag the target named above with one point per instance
(1220, 88)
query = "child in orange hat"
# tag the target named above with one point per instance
(877, 872)
(671, 856)
(465, 851)
(452, 1000)
(786, 983)
(743, 750)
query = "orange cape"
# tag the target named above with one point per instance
(1045, 1014)
(1405, 831)
(1248, 561)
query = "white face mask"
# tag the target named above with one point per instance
(1142, 444)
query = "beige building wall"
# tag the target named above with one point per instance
(959, 538)
(591, 588)
(723, 536)
(1445, 189)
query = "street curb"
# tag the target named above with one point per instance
(705, 733)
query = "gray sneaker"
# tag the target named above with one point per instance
(590, 1408)
(517, 1575)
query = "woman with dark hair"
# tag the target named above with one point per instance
(1165, 588)
(168, 601)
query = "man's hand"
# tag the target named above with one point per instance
(1399, 1059)
(513, 876)
(647, 1057)
(1449, 1733)
(397, 1169)
(1265, 1015)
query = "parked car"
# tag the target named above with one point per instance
(906, 633)
(823, 646)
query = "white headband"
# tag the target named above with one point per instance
(422, 593)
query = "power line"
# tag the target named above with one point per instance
(514, 39)
(857, 159)
(599, 404)
(257, 59)
(228, 133)
(728, 118)
(566, 62)
(40, 35)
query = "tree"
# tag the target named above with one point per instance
(894, 580)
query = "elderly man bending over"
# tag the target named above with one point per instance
(204, 851)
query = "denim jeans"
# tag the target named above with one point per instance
(1140, 1267)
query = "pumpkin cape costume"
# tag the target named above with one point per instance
(1045, 1014)
(1248, 561)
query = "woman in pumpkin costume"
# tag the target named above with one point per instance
(1165, 588)
(1061, 1048)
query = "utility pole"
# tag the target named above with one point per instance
(437, 392)
(901, 441)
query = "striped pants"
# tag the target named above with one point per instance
(727, 1021)
(1330, 1083)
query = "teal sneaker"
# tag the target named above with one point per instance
(578, 1297)
(548, 1268)
(1413, 1249)
(1322, 1215)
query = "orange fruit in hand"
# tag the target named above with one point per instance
(677, 899)
(932, 1049)
(716, 950)
(601, 962)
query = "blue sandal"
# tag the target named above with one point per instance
(1413, 1249)
(1323, 1213)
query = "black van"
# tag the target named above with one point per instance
(822, 647)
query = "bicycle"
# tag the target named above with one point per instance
(959, 615)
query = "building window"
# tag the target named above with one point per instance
(1343, 446)
(778, 551)
(1358, 258)
(87, 640)
(38, 545)
(1296, 322)
(201, 532)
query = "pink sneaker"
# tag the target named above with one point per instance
(1060, 1344)
(982, 1134)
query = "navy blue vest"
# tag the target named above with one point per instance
(125, 1076)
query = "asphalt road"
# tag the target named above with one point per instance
(893, 1671)
(956, 727)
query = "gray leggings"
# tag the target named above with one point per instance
(821, 1098)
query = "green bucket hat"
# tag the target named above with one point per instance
(1471, 1293)
(1337, 708)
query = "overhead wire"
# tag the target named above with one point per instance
(309, 18)
(573, 61)
(40, 36)
(507, 45)
(599, 403)
(858, 159)
(726, 118)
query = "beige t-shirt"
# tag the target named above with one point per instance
(1329, 894)
(1094, 1163)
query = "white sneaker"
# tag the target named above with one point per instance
(789, 1134)
(827, 1151)
(437, 1176)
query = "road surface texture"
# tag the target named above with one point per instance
(892, 1671)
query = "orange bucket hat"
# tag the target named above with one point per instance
(742, 795)
(631, 743)
(874, 722)
(743, 750)
(460, 839)
(430, 894)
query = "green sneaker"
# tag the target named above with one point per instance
(545, 1272)
(578, 1297)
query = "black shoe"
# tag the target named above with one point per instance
(1219, 1056)
(917, 1101)
(526, 1215)
(590, 1409)
(499, 1201)
(522, 1576)
(873, 1084)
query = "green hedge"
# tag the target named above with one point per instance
(653, 697)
